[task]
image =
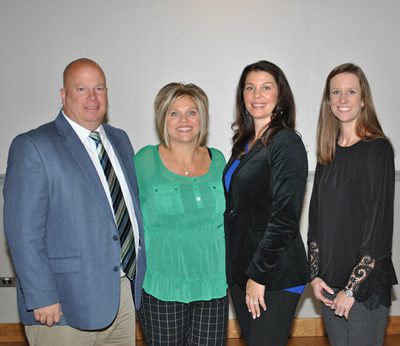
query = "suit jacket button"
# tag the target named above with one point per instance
(116, 269)
(115, 237)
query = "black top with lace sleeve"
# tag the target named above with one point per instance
(351, 221)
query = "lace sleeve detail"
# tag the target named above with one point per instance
(313, 259)
(360, 272)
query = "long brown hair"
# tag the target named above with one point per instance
(283, 115)
(367, 123)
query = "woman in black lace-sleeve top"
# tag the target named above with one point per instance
(351, 213)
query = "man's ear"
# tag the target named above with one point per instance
(62, 94)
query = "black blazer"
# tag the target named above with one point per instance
(263, 208)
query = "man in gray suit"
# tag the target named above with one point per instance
(73, 223)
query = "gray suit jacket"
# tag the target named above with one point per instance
(60, 227)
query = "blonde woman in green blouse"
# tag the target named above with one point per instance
(180, 182)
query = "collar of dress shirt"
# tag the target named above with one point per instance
(82, 132)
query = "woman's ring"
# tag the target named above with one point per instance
(255, 302)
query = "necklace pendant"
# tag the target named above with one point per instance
(186, 173)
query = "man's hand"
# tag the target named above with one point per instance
(48, 314)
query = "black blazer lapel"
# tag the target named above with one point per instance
(243, 162)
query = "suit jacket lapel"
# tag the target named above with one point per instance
(124, 158)
(82, 158)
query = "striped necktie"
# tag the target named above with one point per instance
(122, 219)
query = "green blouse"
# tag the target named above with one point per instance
(184, 229)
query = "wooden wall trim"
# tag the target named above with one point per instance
(14, 332)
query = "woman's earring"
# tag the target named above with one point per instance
(279, 111)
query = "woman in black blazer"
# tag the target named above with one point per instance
(264, 184)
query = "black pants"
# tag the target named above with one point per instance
(201, 322)
(272, 328)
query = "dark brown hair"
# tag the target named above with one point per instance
(283, 115)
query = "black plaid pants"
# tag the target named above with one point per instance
(183, 324)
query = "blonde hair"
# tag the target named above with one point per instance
(167, 96)
(328, 131)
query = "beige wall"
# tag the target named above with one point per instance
(8, 304)
(143, 45)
